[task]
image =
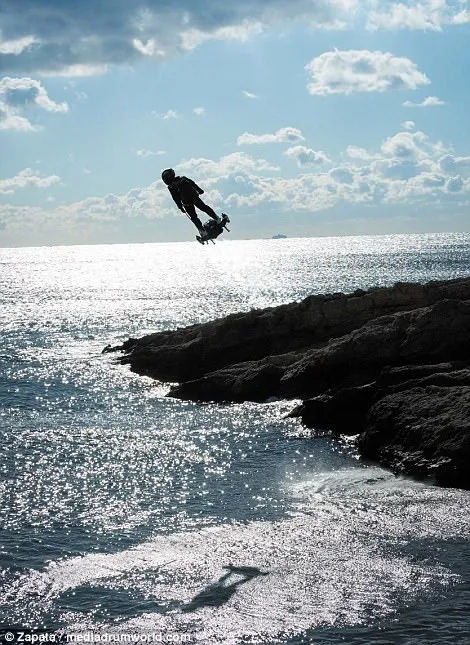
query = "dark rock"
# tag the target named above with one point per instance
(188, 353)
(402, 374)
(422, 431)
(125, 347)
(417, 426)
(236, 384)
(438, 332)
(434, 333)
(343, 412)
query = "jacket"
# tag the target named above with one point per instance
(184, 191)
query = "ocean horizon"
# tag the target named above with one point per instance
(229, 238)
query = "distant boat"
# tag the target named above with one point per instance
(279, 236)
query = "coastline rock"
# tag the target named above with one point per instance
(345, 410)
(191, 352)
(415, 420)
(391, 365)
(422, 431)
(434, 333)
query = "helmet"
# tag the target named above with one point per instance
(168, 175)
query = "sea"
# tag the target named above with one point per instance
(122, 509)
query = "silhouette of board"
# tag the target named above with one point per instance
(245, 571)
(212, 229)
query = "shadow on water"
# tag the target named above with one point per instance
(220, 592)
(120, 604)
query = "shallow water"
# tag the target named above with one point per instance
(120, 507)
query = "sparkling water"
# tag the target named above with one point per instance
(121, 508)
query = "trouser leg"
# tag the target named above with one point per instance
(205, 208)
(189, 208)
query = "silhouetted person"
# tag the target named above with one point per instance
(185, 193)
(220, 592)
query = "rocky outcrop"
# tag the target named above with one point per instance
(190, 352)
(423, 430)
(429, 334)
(415, 420)
(362, 362)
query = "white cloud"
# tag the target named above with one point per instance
(14, 91)
(9, 121)
(429, 101)
(249, 95)
(416, 16)
(308, 192)
(77, 70)
(26, 178)
(17, 46)
(237, 162)
(306, 156)
(345, 72)
(427, 15)
(199, 111)
(408, 125)
(150, 153)
(356, 152)
(150, 202)
(461, 18)
(453, 165)
(342, 175)
(17, 94)
(287, 134)
(192, 38)
(81, 96)
(169, 114)
(455, 184)
(406, 145)
(150, 48)
(408, 168)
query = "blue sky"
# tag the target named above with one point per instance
(304, 117)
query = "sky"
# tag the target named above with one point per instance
(301, 117)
